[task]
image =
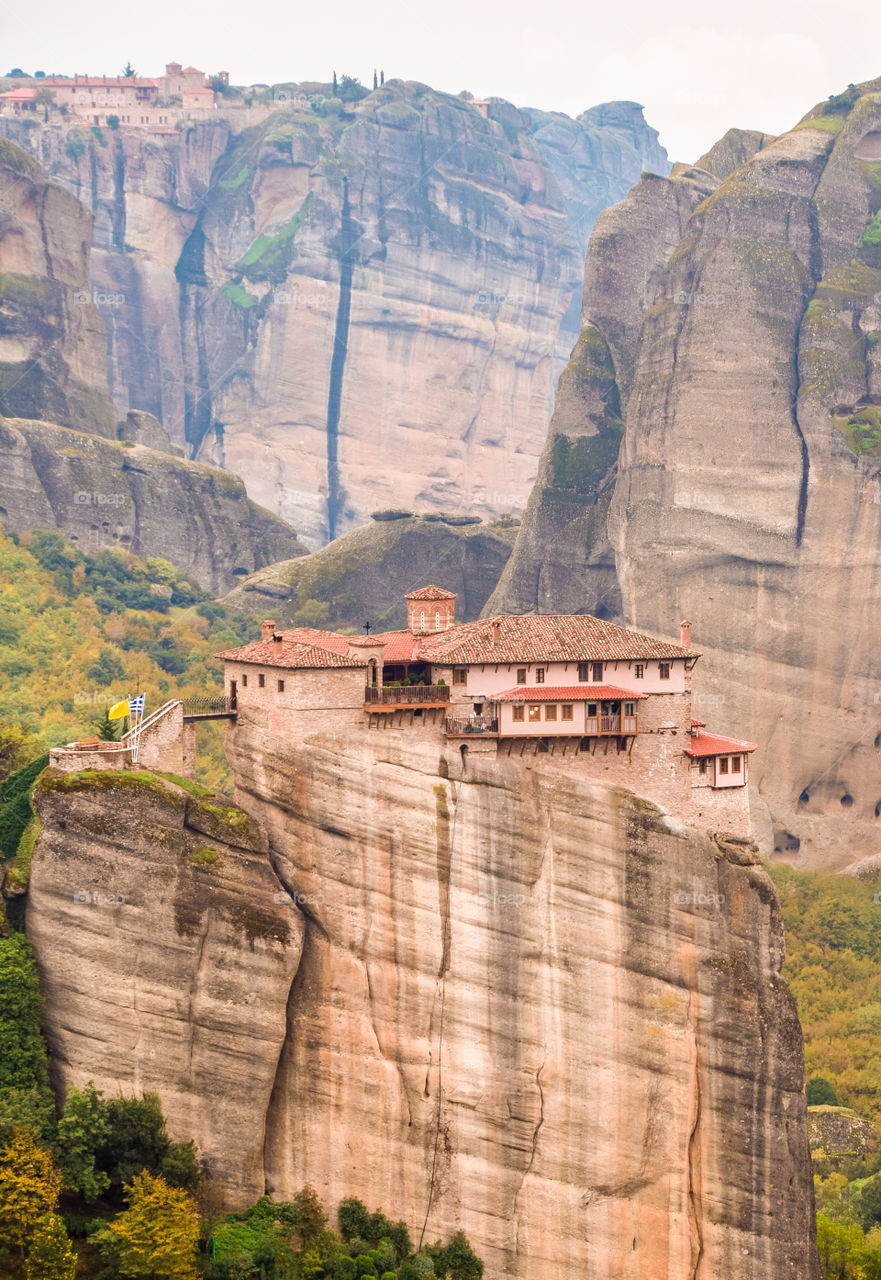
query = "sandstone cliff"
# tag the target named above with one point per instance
(351, 309)
(730, 340)
(109, 493)
(523, 1005)
(365, 574)
(165, 958)
(52, 344)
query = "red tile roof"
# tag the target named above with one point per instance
(18, 95)
(430, 593)
(400, 646)
(288, 653)
(99, 82)
(698, 724)
(711, 744)
(545, 638)
(566, 693)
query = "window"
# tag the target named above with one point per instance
(459, 675)
(521, 675)
(550, 711)
(583, 672)
(596, 672)
(422, 620)
(723, 764)
(281, 686)
(592, 708)
(539, 675)
(244, 681)
(534, 712)
(735, 764)
(518, 712)
(566, 711)
(702, 766)
(639, 671)
(630, 708)
(261, 680)
(665, 670)
(437, 621)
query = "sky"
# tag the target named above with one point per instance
(697, 70)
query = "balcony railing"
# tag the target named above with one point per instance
(460, 727)
(406, 695)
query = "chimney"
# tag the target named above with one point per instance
(267, 627)
(496, 629)
(685, 634)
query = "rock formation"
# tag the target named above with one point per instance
(715, 454)
(109, 493)
(166, 957)
(351, 308)
(52, 344)
(524, 1005)
(365, 574)
(62, 465)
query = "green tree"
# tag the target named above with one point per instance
(351, 89)
(128, 71)
(157, 1235)
(82, 1130)
(29, 1186)
(839, 1246)
(109, 730)
(458, 1261)
(138, 1141)
(50, 1256)
(820, 1092)
(17, 746)
(24, 1062)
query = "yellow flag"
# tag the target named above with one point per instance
(118, 711)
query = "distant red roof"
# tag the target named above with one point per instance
(98, 82)
(711, 744)
(288, 653)
(192, 71)
(567, 693)
(698, 724)
(18, 95)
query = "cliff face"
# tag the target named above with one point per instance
(523, 1005)
(730, 337)
(165, 957)
(365, 574)
(109, 493)
(52, 343)
(352, 310)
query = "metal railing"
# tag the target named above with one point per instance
(406, 694)
(459, 727)
(210, 704)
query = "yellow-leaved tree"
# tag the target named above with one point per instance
(50, 1256)
(29, 1186)
(157, 1235)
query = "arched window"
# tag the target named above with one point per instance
(422, 620)
(437, 620)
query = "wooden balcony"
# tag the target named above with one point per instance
(405, 696)
(469, 726)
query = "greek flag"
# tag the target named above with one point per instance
(136, 705)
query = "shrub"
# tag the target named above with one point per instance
(820, 1092)
(365, 1266)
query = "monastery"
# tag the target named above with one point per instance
(596, 697)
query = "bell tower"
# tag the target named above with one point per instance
(430, 609)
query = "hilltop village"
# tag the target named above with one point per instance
(572, 689)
